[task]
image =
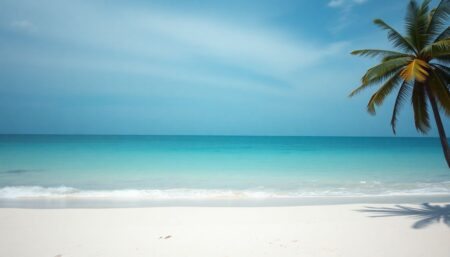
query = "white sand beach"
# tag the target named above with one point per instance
(324, 231)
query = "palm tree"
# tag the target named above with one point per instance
(419, 68)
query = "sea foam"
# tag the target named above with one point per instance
(32, 192)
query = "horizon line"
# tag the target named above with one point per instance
(208, 135)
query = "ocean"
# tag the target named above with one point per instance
(64, 169)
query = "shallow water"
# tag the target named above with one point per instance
(214, 167)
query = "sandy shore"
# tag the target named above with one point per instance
(334, 230)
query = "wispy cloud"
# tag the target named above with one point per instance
(345, 8)
(168, 43)
(24, 25)
(340, 3)
(336, 3)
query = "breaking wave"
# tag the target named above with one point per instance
(363, 189)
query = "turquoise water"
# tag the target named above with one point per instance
(214, 167)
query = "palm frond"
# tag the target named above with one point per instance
(443, 70)
(402, 96)
(379, 96)
(378, 52)
(439, 89)
(439, 19)
(420, 107)
(380, 70)
(386, 55)
(391, 57)
(396, 38)
(445, 59)
(444, 73)
(445, 34)
(382, 76)
(415, 70)
(417, 20)
(437, 49)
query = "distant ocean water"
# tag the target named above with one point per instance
(218, 167)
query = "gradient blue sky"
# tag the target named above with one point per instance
(203, 67)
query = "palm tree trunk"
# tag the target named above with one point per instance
(440, 128)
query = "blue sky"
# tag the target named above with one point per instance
(204, 67)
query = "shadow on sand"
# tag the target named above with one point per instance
(425, 213)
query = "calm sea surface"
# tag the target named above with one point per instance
(215, 167)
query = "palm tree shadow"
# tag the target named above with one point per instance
(426, 213)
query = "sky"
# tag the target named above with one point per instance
(193, 67)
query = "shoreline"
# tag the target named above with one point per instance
(322, 231)
(100, 203)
